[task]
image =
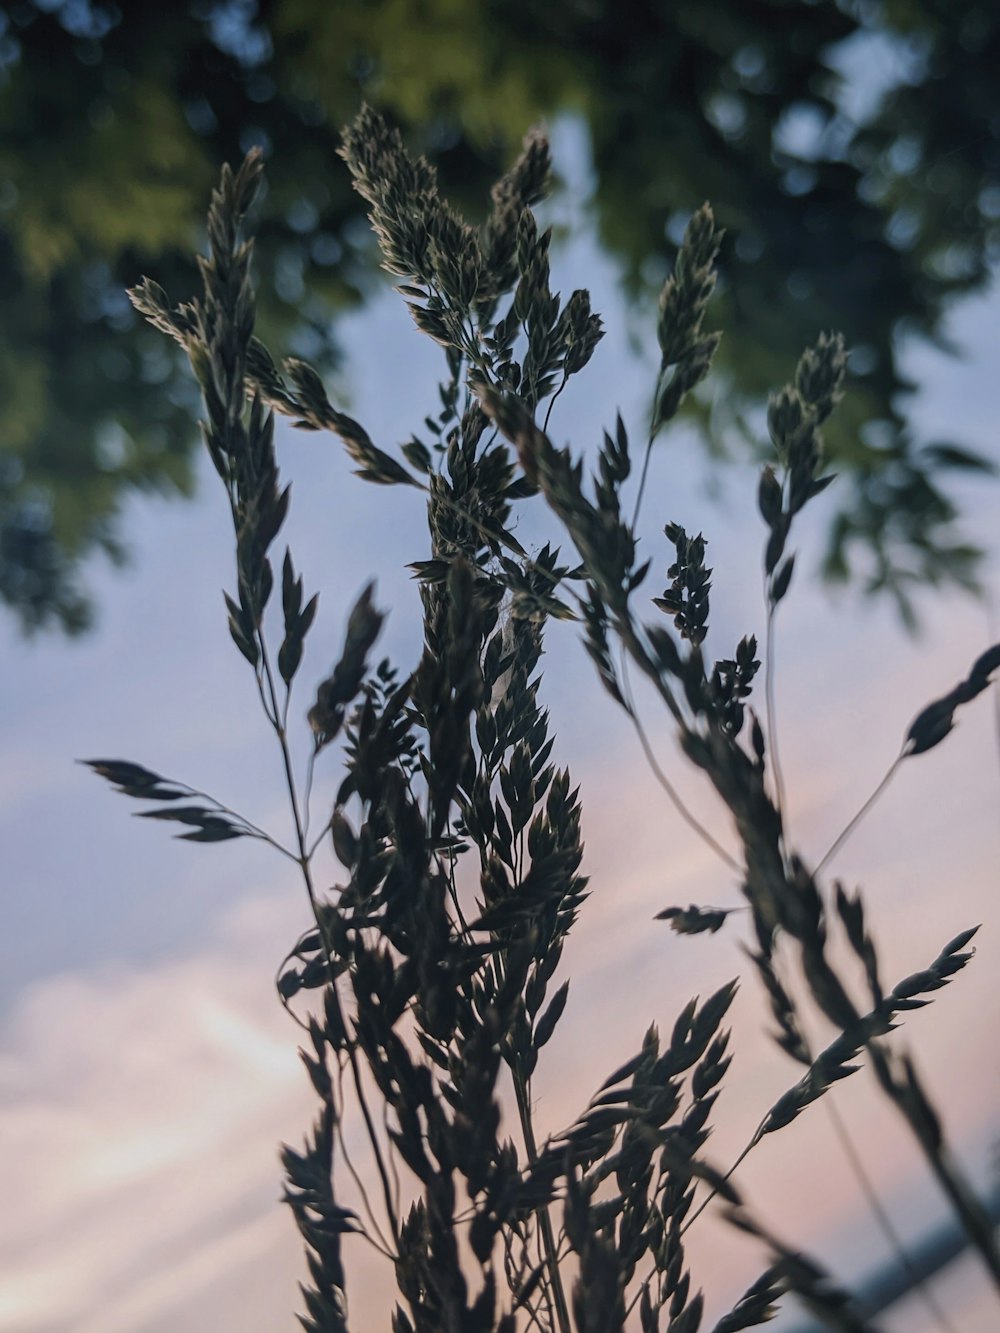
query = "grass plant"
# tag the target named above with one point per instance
(428, 982)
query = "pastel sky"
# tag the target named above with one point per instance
(147, 1073)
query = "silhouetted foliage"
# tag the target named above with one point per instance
(433, 962)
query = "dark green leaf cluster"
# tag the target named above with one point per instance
(298, 619)
(757, 1305)
(557, 341)
(160, 83)
(454, 276)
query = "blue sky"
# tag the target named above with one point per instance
(146, 1071)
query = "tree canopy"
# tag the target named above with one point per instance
(866, 214)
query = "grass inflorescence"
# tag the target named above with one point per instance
(435, 965)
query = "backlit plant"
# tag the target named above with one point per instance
(434, 965)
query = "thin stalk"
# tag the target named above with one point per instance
(542, 1212)
(252, 829)
(671, 791)
(991, 620)
(975, 1220)
(772, 716)
(849, 828)
(884, 1220)
(303, 859)
(382, 1244)
(377, 1241)
(319, 838)
(397, 1187)
(642, 481)
(552, 402)
(270, 709)
(449, 875)
(757, 1136)
(359, 1092)
(307, 795)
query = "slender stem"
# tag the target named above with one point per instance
(975, 1220)
(642, 481)
(772, 717)
(251, 828)
(883, 1219)
(270, 708)
(397, 1187)
(359, 1092)
(643, 1285)
(542, 1213)
(292, 1014)
(552, 402)
(758, 1135)
(319, 838)
(303, 859)
(672, 793)
(382, 1245)
(287, 761)
(449, 874)
(991, 620)
(307, 794)
(849, 828)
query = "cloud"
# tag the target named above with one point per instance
(141, 1111)
(141, 1106)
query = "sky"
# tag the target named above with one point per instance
(147, 1072)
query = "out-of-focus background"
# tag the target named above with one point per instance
(852, 151)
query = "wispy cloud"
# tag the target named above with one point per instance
(141, 1111)
(141, 1107)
